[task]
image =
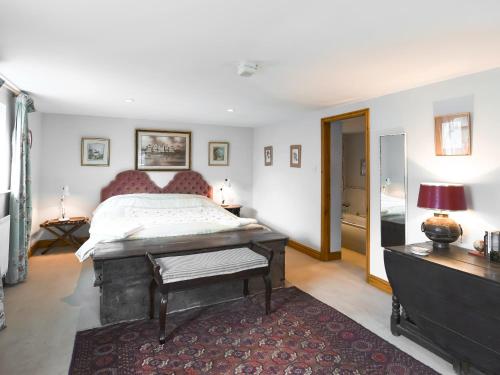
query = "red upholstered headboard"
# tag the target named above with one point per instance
(130, 182)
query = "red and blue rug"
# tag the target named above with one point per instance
(301, 336)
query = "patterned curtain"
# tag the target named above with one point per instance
(2, 310)
(20, 196)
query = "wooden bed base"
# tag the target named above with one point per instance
(122, 271)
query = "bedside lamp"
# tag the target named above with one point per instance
(441, 197)
(64, 194)
(225, 186)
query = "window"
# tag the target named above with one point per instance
(4, 150)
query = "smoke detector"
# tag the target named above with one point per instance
(247, 68)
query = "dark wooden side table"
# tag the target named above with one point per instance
(233, 208)
(448, 302)
(63, 230)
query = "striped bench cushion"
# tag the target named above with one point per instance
(223, 262)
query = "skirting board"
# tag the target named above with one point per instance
(379, 283)
(42, 244)
(311, 252)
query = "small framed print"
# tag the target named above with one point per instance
(95, 152)
(268, 156)
(452, 134)
(162, 150)
(295, 156)
(218, 153)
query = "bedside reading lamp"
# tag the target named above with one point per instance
(441, 197)
(64, 194)
(225, 186)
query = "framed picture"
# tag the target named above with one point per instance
(452, 134)
(162, 150)
(95, 152)
(295, 156)
(268, 156)
(362, 167)
(218, 153)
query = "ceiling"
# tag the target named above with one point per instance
(178, 59)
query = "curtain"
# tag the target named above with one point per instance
(20, 196)
(2, 313)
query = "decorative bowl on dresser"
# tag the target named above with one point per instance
(448, 302)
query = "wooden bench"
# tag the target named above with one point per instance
(178, 272)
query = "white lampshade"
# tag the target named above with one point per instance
(65, 190)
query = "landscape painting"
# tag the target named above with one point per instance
(95, 152)
(218, 153)
(162, 150)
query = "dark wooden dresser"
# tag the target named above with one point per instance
(448, 302)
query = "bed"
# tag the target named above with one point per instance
(121, 270)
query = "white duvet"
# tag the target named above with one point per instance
(137, 216)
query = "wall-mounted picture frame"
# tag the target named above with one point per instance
(268, 156)
(295, 156)
(95, 152)
(452, 134)
(218, 154)
(162, 150)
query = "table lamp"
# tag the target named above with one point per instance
(225, 186)
(64, 194)
(441, 197)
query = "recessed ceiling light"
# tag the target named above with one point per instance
(230, 110)
(129, 100)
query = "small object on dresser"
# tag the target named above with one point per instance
(494, 246)
(479, 248)
(233, 208)
(420, 251)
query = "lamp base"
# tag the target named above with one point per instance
(441, 230)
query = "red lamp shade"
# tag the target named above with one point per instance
(448, 197)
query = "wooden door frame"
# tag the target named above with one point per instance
(325, 183)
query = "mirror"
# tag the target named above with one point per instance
(393, 189)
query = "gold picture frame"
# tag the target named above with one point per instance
(218, 154)
(162, 150)
(95, 152)
(295, 156)
(268, 156)
(452, 134)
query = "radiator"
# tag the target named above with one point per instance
(4, 244)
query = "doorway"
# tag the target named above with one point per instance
(345, 187)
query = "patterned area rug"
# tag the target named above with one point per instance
(301, 336)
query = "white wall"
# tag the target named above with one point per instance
(288, 199)
(354, 151)
(60, 160)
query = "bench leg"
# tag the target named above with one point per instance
(267, 281)
(245, 287)
(163, 316)
(152, 289)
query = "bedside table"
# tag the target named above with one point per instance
(63, 230)
(233, 208)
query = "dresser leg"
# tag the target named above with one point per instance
(395, 316)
